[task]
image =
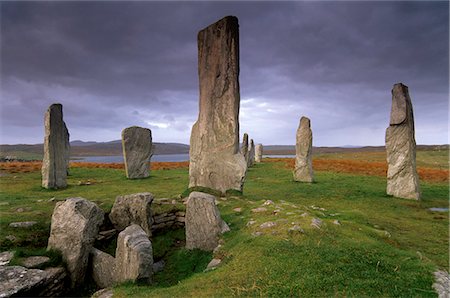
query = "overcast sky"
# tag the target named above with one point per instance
(118, 64)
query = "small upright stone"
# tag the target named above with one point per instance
(258, 153)
(134, 256)
(56, 149)
(215, 160)
(402, 178)
(303, 171)
(251, 154)
(203, 222)
(244, 149)
(74, 227)
(133, 209)
(137, 151)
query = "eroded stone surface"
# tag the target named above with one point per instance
(137, 151)
(74, 227)
(258, 152)
(402, 178)
(134, 255)
(133, 209)
(35, 261)
(103, 267)
(203, 222)
(56, 149)
(303, 171)
(215, 160)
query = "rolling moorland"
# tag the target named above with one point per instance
(382, 246)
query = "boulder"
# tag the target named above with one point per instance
(103, 293)
(35, 261)
(103, 268)
(137, 151)
(56, 149)
(134, 255)
(402, 178)
(74, 227)
(215, 160)
(258, 153)
(303, 171)
(133, 209)
(22, 282)
(203, 222)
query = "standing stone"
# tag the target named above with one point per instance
(402, 179)
(74, 227)
(244, 149)
(258, 153)
(251, 154)
(56, 149)
(303, 171)
(203, 222)
(137, 151)
(215, 160)
(133, 209)
(103, 268)
(134, 256)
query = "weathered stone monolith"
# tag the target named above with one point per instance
(215, 160)
(74, 227)
(137, 151)
(402, 179)
(56, 149)
(251, 154)
(244, 149)
(203, 222)
(134, 256)
(303, 171)
(258, 153)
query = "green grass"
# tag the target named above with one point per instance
(384, 247)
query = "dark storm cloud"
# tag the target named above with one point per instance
(115, 64)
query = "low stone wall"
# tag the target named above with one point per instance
(168, 220)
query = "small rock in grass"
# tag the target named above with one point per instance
(6, 257)
(336, 222)
(223, 198)
(304, 214)
(103, 293)
(20, 210)
(268, 202)
(35, 261)
(296, 229)
(11, 238)
(276, 211)
(290, 213)
(316, 223)
(257, 233)
(252, 222)
(260, 209)
(387, 234)
(217, 249)
(237, 209)
(22, 224)
(213, 264)
(268, 224)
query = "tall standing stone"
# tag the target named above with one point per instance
(258, 153)
(402, 179)
(215, 160)
(244, 149)
(137, 151)
(251, 154)
(56, 149)
(303, 171)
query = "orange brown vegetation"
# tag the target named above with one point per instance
(364, 167)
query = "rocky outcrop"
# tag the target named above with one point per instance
(251, 154)
(258, 153)
(133, 209)
(215, 160)
(19, 281)
(74, 227)
(137, 151)
(303, 171)
(134, 255)
(402, 178)
(103, 267)
(203, 222)
(56, 149)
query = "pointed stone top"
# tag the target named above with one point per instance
(245, 139)
(232, 20)
(252, 143)
(400, 104)
(305, 122)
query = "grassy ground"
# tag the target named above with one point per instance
(383, 246)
